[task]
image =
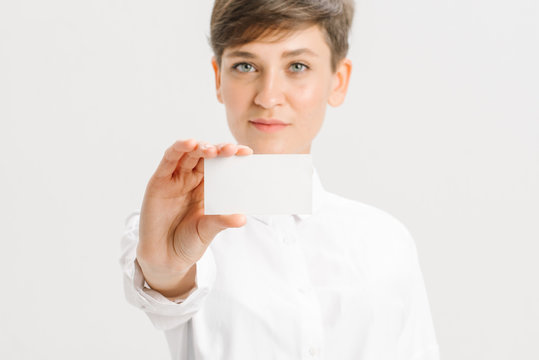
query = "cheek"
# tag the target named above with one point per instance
(235, 98)
(311, 94)
(310, 102)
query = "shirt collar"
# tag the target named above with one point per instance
(317, 194)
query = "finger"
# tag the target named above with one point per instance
(244, 150)
(228, 149)
(240, 150)
(190, 160)
(172, 155)
(199, 168)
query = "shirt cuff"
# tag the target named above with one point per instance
(146, 287)
(164, 313)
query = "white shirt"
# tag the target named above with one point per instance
(342, 283)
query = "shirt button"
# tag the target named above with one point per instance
(313, 351)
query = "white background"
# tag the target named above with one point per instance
(440, 128)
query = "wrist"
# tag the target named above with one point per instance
(171, 286)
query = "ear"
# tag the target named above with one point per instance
(217, 71)
(341, 78)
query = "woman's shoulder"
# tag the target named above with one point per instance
(363, 216)
(337, 202)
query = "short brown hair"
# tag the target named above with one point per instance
(238, 22)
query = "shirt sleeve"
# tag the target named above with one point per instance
(163, 313)
(418, 338)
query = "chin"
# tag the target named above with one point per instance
(270, 149)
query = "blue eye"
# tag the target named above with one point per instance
(244, 67)
(298, 67)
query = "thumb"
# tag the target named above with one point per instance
(210, 225)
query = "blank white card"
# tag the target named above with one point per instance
(259, 184)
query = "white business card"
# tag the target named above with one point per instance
(259, 184)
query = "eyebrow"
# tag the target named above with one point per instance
(286, 54)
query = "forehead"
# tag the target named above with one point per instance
(309, 42)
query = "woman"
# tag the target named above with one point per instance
(342, 283)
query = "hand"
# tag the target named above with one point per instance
(174, 233)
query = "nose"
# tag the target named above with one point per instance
(270, 92)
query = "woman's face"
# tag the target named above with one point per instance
(288, 81)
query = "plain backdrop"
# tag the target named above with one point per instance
(440, 128)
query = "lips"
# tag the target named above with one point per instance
(268, 122)
(269, 125)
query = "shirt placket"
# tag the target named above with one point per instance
(307, 302)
